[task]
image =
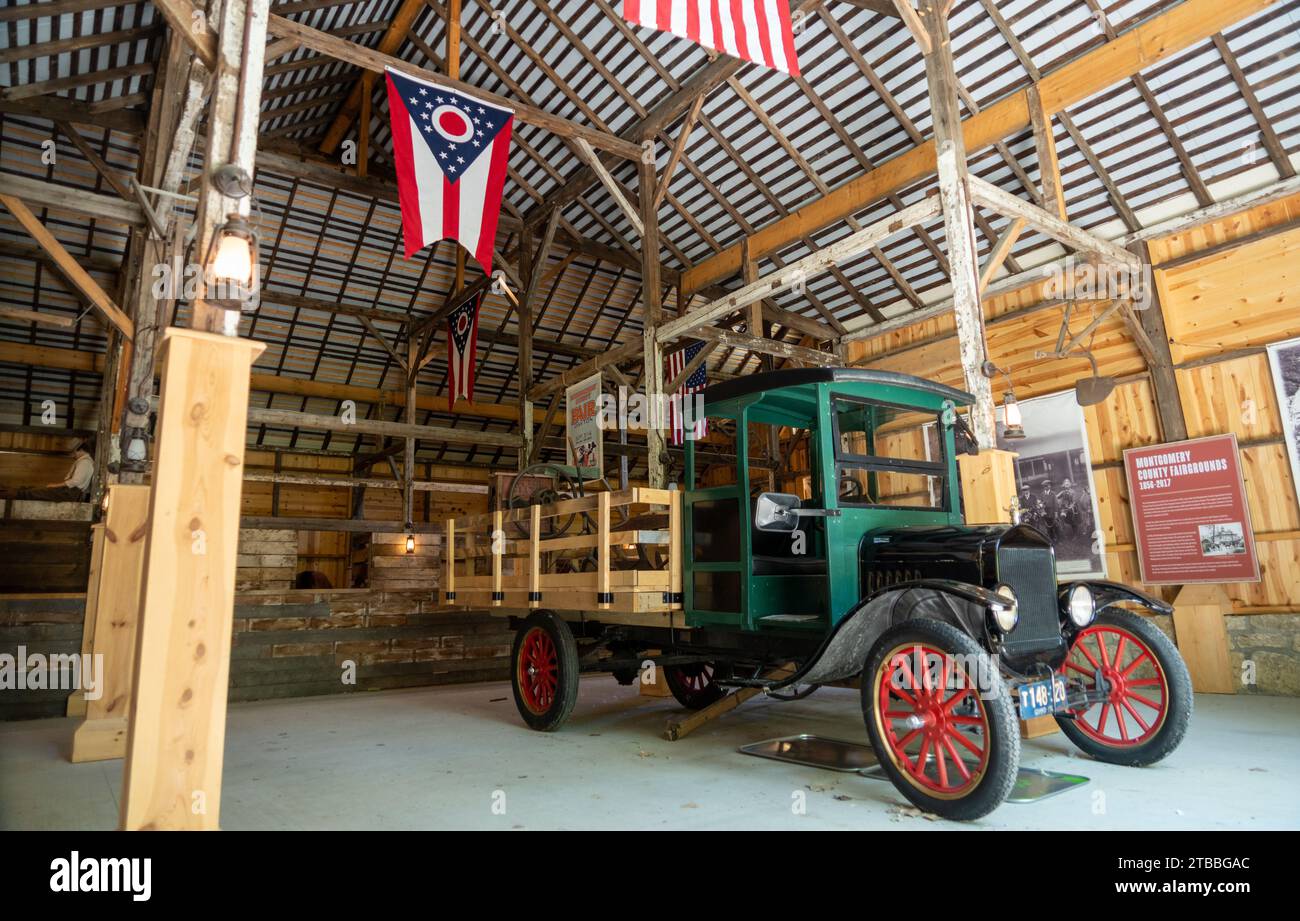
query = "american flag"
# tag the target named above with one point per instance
(752, 30)
(673, 366)
(450, 150)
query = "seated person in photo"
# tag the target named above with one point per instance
(75, 487)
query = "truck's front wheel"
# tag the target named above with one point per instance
(940, 719)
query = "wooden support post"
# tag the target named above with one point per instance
(1202, 636)
(958, 218)
(1051, 194)
(408, 456)
(675, 548)
(534, 271)
(178, 699)
(77, 701)
(449, 589)
(653, 353)
(1160, 363)
(535, 557)
(172, 778)
(988, 485)
(102, 735)
(497, 543)
(603, 596)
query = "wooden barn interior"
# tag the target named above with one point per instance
(266, 557)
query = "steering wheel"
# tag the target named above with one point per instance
(850, 488)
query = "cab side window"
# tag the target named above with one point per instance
(888, 456)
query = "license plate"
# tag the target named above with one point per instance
(1042, 698)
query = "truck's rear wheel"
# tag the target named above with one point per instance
(545, 672)
(940, 719)
(694, 685)
(1148, 690)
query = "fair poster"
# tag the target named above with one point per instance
(1190, 515)
(1057, 493)
(1284, 361)
(584, 446)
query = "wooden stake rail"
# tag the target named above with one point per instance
(506, 562)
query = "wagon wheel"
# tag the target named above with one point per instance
(695, 685)
(565, 487)
(1148, 691)
(941, 719)
(544, 676)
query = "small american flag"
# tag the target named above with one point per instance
(752, 30)
(673, 366)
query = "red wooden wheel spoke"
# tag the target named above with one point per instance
(1105, 714)
(903, 742)
(901, 662)
(1133, 665)
(940, 761)
(899, 714)
(899, 692)
(919, 768)
(956, 759)
(1078, 644)
(1101, 648)
(1119, 649)
(956, 699)
(1150, 703)
(1144, 683)
(1078, 668)
(967, 720)
(1119, 718)
(974, 749)
(1132, 712)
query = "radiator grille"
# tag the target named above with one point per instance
(1030, 571)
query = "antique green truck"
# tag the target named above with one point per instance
(868, 575)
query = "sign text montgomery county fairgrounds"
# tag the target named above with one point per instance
(1190, 515)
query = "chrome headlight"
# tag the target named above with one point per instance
(1005, 615)
(1081, 606)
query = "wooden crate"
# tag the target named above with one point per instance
(513, 561)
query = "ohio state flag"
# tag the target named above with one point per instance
(462, 345)
(450, 150)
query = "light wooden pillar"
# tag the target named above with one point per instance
(102, 735)
(988, 485)
(77, 701)
(958, 217)
(172, 778)
(651, 310)
(1202, 636)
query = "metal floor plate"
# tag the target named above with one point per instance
(1032, 784)
(815, 751)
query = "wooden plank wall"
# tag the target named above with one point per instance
(1220, 311)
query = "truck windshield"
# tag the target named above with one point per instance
(888, 456)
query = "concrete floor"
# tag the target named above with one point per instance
(441, 758)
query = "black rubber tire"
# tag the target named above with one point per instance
(566, 662)
(1178, 713)
(688, 697)
(1003, 730)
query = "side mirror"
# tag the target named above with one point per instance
(776, 511)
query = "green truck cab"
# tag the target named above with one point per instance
(869, 576)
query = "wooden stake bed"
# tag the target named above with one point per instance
(611, 556)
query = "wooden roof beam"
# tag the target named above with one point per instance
(375, 61)
(1155, 40)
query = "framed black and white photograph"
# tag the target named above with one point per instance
(1284, 359)
(1054, 479)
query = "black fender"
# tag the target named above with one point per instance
(1107, 593)
(845, 649)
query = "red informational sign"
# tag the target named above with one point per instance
(1189, 512)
